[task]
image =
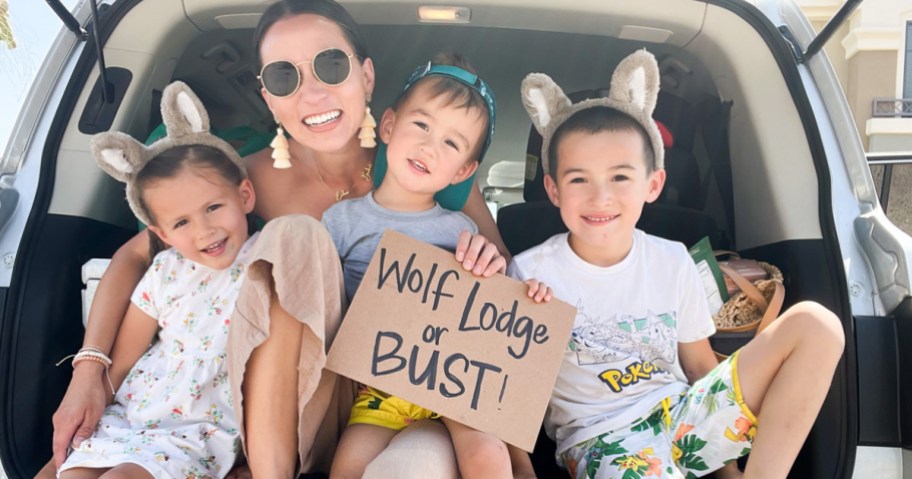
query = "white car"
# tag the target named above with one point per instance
(766, 160)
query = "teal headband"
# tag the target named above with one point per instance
(471, 80)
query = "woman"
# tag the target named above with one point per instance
(317, 82)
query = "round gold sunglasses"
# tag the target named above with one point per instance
(282, 78)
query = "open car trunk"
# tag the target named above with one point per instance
(748, 167)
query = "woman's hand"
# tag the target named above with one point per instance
(479, 255)
(538, 291)
(80, 410)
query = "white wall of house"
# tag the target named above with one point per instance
(869, 56)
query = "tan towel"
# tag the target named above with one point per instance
(422, 450)
(296, 254)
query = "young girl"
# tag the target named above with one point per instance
(171, 415)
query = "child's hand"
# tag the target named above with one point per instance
(539, 291)
(479, 255)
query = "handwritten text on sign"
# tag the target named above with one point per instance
(478, 351)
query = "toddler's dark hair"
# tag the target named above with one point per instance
(455, 92)
(595, 120)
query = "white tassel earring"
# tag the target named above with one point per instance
(367, 133)
(280, 154)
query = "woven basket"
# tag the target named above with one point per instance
(740, 313)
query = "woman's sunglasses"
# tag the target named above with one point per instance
(282, 78)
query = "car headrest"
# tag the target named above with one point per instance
(524, 225)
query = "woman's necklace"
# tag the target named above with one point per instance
(342, 193)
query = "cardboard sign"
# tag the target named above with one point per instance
(477, 351)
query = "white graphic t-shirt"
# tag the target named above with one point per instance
(622, 359)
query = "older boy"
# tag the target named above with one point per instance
(622, 406)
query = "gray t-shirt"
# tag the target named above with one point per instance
(356, 226)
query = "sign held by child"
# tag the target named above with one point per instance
(480, 352)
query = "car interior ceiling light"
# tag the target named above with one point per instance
(443, 14)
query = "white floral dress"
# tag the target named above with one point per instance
(172, 415)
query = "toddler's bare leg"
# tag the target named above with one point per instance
(522, 464)
(360, 444)
(82, 473)
(123, 471)
(48, 471)
(127, 471)
(479, 454)
(785, 374)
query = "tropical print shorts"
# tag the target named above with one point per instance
(685, 436)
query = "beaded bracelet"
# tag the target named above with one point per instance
(89, 354)
(91, 348)
(94, 359)
(93, 354)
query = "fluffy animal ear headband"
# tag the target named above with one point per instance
(187, 123)
(634, 88)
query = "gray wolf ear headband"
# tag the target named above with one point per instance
(471, 80)
(634, 89)
(186, 122)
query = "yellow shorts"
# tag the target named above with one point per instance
(380, 409)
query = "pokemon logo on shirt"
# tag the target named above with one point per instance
(645, 346)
